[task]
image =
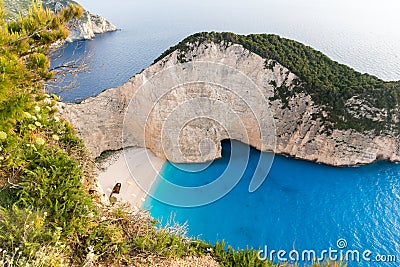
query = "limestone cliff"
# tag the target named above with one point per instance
(189, 100)
(82, 29)
(87, 26)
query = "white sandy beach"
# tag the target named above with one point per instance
(135, 168)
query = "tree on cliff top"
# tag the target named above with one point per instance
(24, 64)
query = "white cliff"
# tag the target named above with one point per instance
(182, 111)
(87, 26)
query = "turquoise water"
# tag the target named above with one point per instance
(300, 205)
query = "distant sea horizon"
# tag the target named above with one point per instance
(360, 34)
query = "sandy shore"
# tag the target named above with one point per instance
(135, 168)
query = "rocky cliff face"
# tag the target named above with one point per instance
(87, 26)
(82, 29)
(182, 111)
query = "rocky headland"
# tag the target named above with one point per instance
(281, 106)
(84, 28)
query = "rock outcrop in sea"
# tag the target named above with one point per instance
(186, 103)
(87, 26)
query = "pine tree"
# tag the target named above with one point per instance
(24, 63)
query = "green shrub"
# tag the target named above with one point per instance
(25, 230)
(242, 257)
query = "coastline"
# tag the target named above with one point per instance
(296, 130)
(135, 168)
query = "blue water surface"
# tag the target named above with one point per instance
(361, 34)
(301, 205)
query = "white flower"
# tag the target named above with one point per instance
(34, 118)
(3, 135)
(47, 101)
(56, 137)
(57, 119)
(38, 124)
(37, 109)
(90, 256)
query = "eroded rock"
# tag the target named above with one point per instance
(182, 111)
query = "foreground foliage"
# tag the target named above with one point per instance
(47, 216)
(15, 7)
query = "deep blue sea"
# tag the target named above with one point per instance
(300, 205)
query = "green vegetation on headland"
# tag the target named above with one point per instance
(16, 7)
(47, 216)
(329, 83)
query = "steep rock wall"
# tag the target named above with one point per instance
(88, 26)
(150, 110)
